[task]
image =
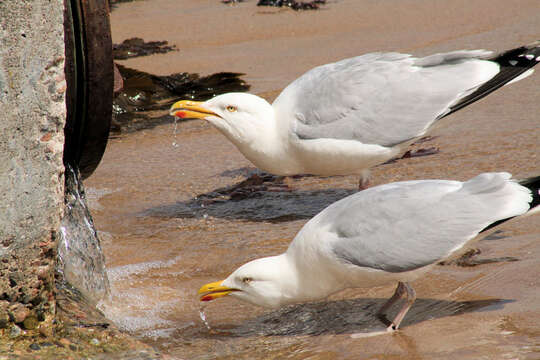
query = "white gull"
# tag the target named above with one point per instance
(388, 233)
(345, 117)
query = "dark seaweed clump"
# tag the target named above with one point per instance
(134, 47)
(145, 99)
(293, 4)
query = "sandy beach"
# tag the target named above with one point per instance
(162, 242)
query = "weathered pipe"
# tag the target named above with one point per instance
(89, 78)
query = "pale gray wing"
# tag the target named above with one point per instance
(404, 226)
(380, 98)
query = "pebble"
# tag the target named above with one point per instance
(30, 323)
(64, 342)
(4, 320)
(43, 272)
(34, 346)
(15, 331)
(45, 331)
(19, 312)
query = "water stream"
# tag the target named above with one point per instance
(80, 258)
(175, 133)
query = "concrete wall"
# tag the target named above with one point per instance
(32, 118)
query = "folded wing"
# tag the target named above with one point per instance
(381, 98)
(404, 226)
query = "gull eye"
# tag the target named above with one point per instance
(247, 280)
(231, 108)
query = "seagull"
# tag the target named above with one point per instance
(384, 234)
(346, 117)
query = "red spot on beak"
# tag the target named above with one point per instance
(206, 298)
(180, 114)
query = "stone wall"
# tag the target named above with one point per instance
(32, 118)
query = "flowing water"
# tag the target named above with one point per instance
(80, 258)
(166, 227)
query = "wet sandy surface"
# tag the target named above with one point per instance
(162, 241)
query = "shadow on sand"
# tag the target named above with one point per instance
(270, 206)
(262, 197)
(355, 316)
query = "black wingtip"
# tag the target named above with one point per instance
(513, 63)
(532, 184)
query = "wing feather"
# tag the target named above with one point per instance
(407, 225)
(380, 98)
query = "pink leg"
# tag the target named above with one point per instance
(363, 184)
(400, 290)
(403, 288)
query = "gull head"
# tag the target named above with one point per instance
(266, 282)
(241, 117)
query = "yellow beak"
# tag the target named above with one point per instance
(189, 109)
(214, 290)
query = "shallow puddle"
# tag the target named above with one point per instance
(163, 239)
(167, 227)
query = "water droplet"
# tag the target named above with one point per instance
(203, 316)
(175, 132)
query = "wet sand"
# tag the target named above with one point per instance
(162, 242)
